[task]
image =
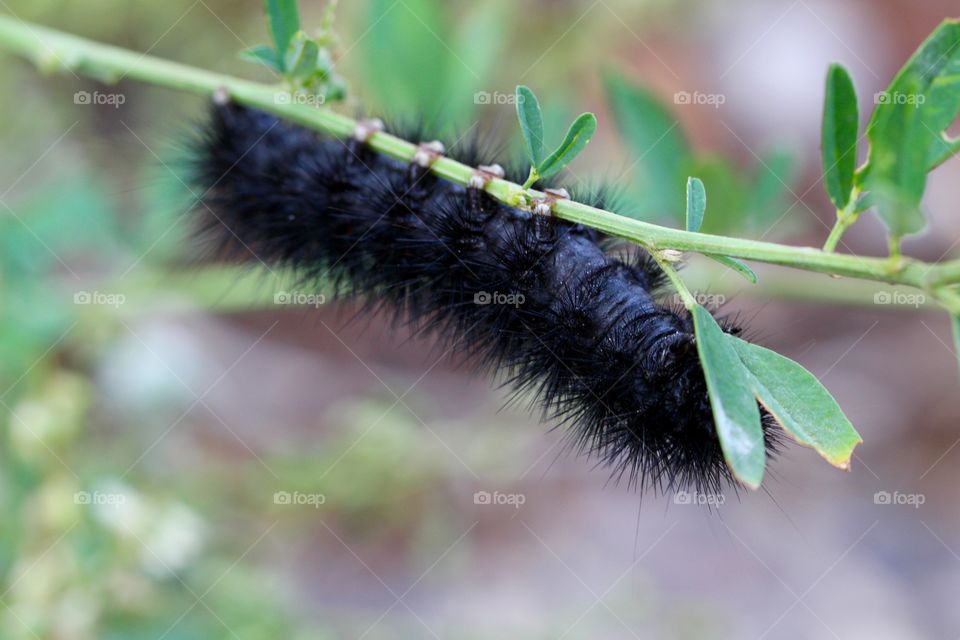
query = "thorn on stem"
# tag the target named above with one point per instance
(484, 174)
(671, 255)
(428, 152)
(544, 206)
(221, 96)
(365, 129)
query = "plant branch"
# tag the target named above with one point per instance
(58, 51)
(846, 217)
(667, 267)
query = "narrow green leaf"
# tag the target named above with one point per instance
(736, 265)
(729, 193)
(802, 406)
(658, 145)
(531, 123)
(696, 203)
(262, 54)
(955, 323)
(578, 135)
(735, 411)
(838, 145)
(284, 20)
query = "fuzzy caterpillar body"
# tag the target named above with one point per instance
(581, 329)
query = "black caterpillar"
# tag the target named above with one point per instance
(584, 331)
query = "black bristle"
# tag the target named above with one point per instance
(538, 299)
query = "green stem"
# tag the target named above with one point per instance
(532, 177)
(846, 218)
(839, 228)
(944, 274)
(950, 299)
(665, 265)
(329, 15)
(55, 50)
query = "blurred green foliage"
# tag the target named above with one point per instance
(97, 543)
(665, 159)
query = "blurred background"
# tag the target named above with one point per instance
(185, 454)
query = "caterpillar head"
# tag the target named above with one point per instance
(683, 451)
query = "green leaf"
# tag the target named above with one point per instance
(576, 139)
(729, 194)
(898, 209)
(696, 203)
(736, 265)
(284, 20)
(735, 411)
(802, 406)
(768, 194)
(935, 68)
(531, 123)
(657, 144)
(302, 57)
(262, 54)
(406, 65)
(955, 323)
(906, 129)
(943, 148)
(841, 123)
(938, 63)
(477, 44)
(897, 168)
